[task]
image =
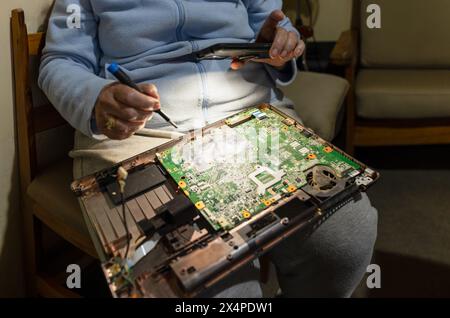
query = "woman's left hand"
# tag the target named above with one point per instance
(286, 44)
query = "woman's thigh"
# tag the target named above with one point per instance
(92, 155)
(333, 260)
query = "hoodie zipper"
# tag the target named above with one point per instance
(200, 66)
(202, 71)
(182, 18)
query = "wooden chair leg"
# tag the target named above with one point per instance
(49, 287)
(38, 244)
(30, 264)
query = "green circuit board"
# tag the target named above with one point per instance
(258, 157)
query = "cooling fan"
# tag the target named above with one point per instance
(323, 181)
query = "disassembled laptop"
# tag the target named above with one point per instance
(194, 217)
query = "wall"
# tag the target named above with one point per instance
(11, 280)
(333, 17)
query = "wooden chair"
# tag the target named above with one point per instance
(355, 54)
(46, 198)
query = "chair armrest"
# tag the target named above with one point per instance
(346, 49)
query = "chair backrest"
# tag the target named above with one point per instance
(30, 120)
(413, 34)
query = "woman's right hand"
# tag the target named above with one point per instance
(120, 111)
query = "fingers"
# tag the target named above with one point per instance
(129, 96)
(290, 51)
(269, 27)
(150, 90)
(118, 134)
(289, 45)
(300, 49)
(285, 44)
(236, 64)
(277, 62)
(279, 42)
(116, 128)
(125, 127)
(121, 111)
(127, 113)
(104, 115)
(274, 18)
(109, 104)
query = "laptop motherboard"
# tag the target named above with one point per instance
(199, 207)
(230, 185)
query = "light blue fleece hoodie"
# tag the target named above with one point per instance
(149, 39)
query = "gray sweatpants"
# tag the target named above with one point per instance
(330, 263)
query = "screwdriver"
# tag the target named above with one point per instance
(123, 78)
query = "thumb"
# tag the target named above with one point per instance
(152, 91)
(236, 65)
(267, 32)
(149, 89)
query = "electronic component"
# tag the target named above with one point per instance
(137, 183)
(323, 181)
(264, 178)
(179, 211)
(176, 212)
(237, 120)
(288, 122)
(259, 115)
(304, 151)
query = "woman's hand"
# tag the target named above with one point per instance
(121, 111)
(286, 44)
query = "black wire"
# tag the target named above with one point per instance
(316, 51)
(311, 18)
(298, 17)
(127, 232)
(187, 240)
(310, 12)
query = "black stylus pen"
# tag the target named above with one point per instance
(115, 70)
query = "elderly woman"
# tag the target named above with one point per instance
(152, 40)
